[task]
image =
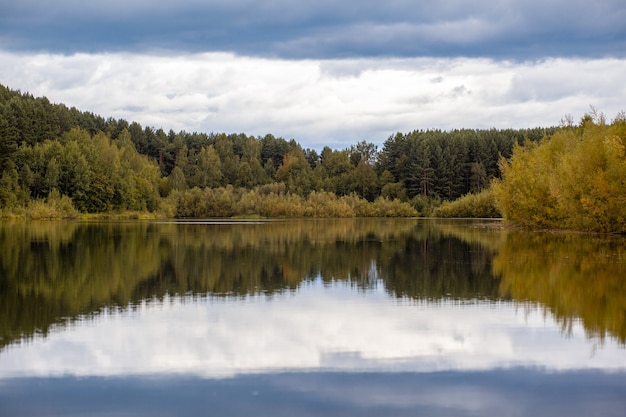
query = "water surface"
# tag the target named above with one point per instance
(332, 317)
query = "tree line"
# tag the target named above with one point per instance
(49, 152)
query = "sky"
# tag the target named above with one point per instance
(323, 73)
(327, 327)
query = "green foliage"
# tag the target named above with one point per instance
(446, 165)
(296, 173)
(55, 207)
(335, 171)
(365, 181)
(113, 165)
(9, 187)
(210, 202)
(384, 207)
(271, 201)
(98, 174)
(575, 179)
(425, 205)
(393, 191)
(475, 205)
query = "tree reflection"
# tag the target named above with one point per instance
(574, 276)
(52, 273)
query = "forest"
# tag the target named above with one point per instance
(58, 162)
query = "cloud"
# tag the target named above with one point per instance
(320, 102)
(513, 29)
(558, 79)
(318, 328)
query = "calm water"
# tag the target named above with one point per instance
(299, 318)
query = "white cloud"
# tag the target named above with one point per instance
(320, 102)
(318, 328)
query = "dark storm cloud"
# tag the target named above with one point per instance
(494, 392)
(509, 29)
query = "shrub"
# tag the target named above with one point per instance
(55, 206)
(575, 179)
(476, 205)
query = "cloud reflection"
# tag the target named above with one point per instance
(317, 328)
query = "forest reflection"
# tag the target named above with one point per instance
(575, 277)
(55, 272)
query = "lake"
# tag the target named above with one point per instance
(367, 317)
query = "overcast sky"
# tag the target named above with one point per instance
(319, 327)
(323, 73)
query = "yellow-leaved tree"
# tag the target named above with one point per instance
(575, 179)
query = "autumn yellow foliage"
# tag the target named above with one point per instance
(575, 179)
(576, 278)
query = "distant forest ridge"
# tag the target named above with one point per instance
(103, 165)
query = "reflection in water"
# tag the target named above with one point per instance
(320, 328)
(317, 317)
(53, 272)
(528, 392)
(574, 277)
